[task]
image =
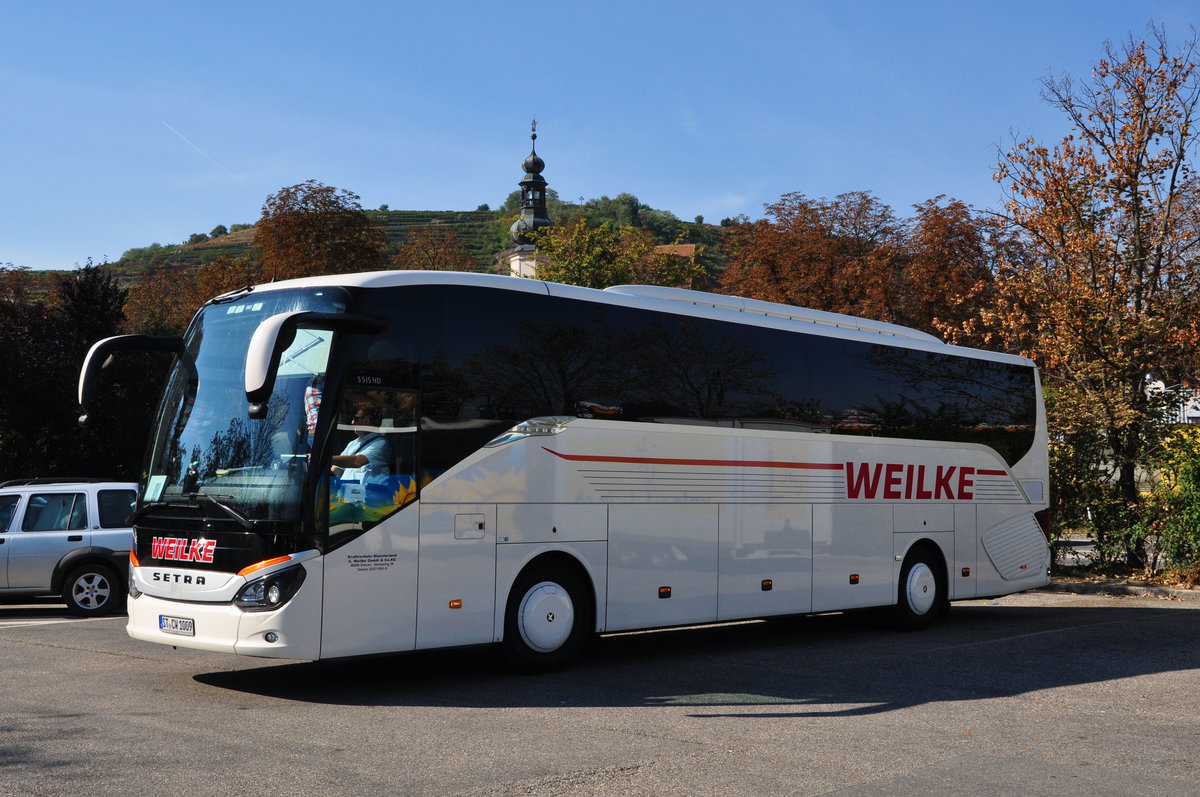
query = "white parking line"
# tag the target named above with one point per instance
(20, 623)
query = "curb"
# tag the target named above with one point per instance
(1119, 588)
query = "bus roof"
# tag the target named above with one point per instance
(773, 310)
(711, 305)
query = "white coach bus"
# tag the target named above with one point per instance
(398, 461)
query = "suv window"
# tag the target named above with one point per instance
(115, 507)
(56, 512)
(8, 507)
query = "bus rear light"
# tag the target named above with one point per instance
(245, 571)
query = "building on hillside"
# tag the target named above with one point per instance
(522, 260)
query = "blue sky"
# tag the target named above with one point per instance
(131, 123)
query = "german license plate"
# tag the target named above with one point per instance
(183, 626)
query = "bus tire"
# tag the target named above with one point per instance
(547, 620)
(922, 594)
(92, 590)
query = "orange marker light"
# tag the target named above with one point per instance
(133, 560)
(245, 571)
(456, 604)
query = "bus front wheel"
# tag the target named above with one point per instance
(547, 620)
(922, 594)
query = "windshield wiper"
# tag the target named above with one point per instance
(231, 295)
(242, 521)
(192, 497)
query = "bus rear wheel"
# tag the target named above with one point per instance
(547, 620)
(922, 595)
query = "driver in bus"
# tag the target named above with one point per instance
(368, 455)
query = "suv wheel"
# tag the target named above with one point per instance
(92, 590)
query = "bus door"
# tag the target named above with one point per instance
(369, 473)
(457, 575)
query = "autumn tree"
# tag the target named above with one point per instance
(311, 229)
(947, 279)
(842, 256)
(599, 257)
(164, 302)
(434, 249)
(1106, 297)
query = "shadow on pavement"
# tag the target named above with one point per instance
(827, 665)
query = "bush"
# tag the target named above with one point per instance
(1171, 512)
(1178, 522)
(1117, 528)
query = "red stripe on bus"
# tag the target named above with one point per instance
(718, 463)
(982, 472)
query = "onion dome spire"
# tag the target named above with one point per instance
(533, 197)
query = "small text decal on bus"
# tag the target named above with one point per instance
(895, 481)
(182, 550)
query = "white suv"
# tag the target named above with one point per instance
(67, 537)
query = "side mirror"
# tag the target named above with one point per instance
(101, 354)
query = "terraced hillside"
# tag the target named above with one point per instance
(481, 231)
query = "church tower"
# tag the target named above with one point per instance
(523, 260)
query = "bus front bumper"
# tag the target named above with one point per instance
(290, 632)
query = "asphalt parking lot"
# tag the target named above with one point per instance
(1040, 693)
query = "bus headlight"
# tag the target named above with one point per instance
(270, 592)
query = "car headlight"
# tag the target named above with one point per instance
(270, 592)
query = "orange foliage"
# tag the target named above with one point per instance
(1106, 290)
(310, 229)
(434, 249)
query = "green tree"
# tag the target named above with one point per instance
(599, 257)
(42, 345)
(311, 228)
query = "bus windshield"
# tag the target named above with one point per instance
(206, 442)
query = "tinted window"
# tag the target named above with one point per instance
(115, 507)
(493, 358)
(55, 512)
